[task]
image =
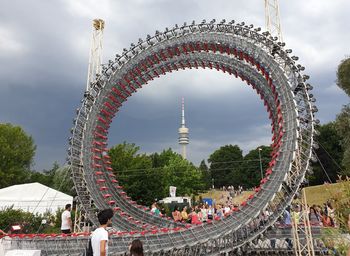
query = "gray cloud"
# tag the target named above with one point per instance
(44, 47)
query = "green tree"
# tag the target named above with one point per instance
(133, 171)
(343, 75)
(182, 174)
(61, 180)
(123, 157)
(17, 150)
(44, 177)
(29, 222)
(40, 177)
(162, 159)
(329, 153)
(207, 180)
(250, 168)
(203, 166)
(148, 177)
(225, 165)
(343, 119)
(342, 126)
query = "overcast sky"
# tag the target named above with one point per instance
(44, 48)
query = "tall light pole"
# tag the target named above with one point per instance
(261, 170)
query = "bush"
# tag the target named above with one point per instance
(29, 222)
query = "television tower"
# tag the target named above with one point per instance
(183, 132)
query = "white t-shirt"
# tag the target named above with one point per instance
(65, 220)
(99, 235)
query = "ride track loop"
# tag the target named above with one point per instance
(233, 48)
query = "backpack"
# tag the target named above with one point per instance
(88, 249)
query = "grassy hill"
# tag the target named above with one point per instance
(320, 194)
(220, 196)
(315, 194)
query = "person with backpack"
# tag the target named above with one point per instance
(99, 238)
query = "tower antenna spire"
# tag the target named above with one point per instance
(183, 131)
(183, 113)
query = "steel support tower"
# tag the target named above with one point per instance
(303, 246)
(272, 19)
(95, 57)
(94, 70)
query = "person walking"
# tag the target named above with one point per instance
(136, 248)
(99, 238)
(66, 221)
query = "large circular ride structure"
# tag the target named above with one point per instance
(235, 49)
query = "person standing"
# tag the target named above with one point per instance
(287, 218)
(136, 248)
(99, 238)
(66, 221)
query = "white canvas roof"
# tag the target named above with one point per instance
(34, 198)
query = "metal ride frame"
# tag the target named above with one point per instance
(234, 48)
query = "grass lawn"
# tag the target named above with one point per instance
(315, 195)
(220, 196)
(321, 193)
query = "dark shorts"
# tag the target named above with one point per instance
(66, 231)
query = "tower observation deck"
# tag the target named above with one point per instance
(183, 132)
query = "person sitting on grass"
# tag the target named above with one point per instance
(184, 214)
(176, 214)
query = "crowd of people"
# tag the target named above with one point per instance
(318, 216)
(233, 192)
(202, 213)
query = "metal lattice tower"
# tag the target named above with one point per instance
(303, 246)
(95, 57)
(183, 131)
(272, 19)
(94, 70)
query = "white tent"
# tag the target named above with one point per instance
(34, 198)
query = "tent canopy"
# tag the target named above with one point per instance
(34, 198)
